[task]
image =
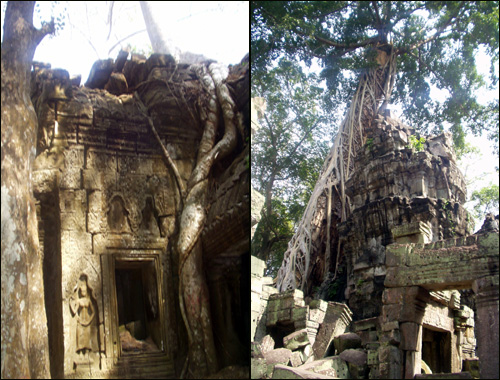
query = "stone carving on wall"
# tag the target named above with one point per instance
(82, 309)
(118, 215)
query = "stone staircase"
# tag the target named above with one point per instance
(143, 366)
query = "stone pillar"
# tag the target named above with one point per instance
(486, 290)
(405, 305)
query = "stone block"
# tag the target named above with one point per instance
(76, 243)
(302, 324)
(267, 344)
(366, 324)
(296, 359)
(357, 357)
(71, 179)
(256, 350)
(347, 341)
(338, 316)
(388, 326)
(300, 313)
(272, 318)
(72, 221)
(306, 352)
(318, 304)
(391, 371)
(269, 289)
(472, 366)
(316, 315)
(357, 363)
(258, 368)
(255, 300)
(256, 285)
(45, 181)
(395, 254)
(278, 356)
(411, 336)
(391, 313)
(296, 340)
(413, 364)
(389, 354)
(284, 372)
(285, 315)
(372, 357)
(392, 337)
(331, 366)
(96, 217)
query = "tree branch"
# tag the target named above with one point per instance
(439, 31)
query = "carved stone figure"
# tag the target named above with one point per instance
(83, 310)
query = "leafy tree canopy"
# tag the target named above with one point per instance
(435, 43)
(287, 152)
(487, 201)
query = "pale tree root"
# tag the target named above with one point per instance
(193, 291)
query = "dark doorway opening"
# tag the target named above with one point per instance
(436, 349)
(137, 304)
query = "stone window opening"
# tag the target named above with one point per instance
(138, 307)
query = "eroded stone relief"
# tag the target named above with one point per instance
(83, 310)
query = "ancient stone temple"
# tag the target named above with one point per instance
(109, 207)
(414, 293)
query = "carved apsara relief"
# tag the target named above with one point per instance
(118, 215)
(83, 310)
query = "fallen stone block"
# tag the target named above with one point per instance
(296, 340)
(331, 366)
(346, 341)
(283, 372)
(258, 368)
(337, 318)
(276, 356)
(267, 344)
(356, 361)
(296, 359)
(306, 353)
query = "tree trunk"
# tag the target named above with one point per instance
(266, 233)
(193, 291)
(158, 42)
(24, 326)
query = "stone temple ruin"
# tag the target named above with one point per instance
(108, 212)
(414, 293)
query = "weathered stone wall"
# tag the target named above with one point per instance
(396, 194)
(108, 200)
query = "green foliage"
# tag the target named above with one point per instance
(369, 143)
(287, 152)
(436, 43)
(487, 201)
(417, 143)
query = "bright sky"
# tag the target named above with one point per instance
(217, 29)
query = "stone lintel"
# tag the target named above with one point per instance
(451, 266)
(421, 231)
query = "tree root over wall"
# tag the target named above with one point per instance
(193, 291)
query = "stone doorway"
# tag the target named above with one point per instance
(137, 295)
(436, 349)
